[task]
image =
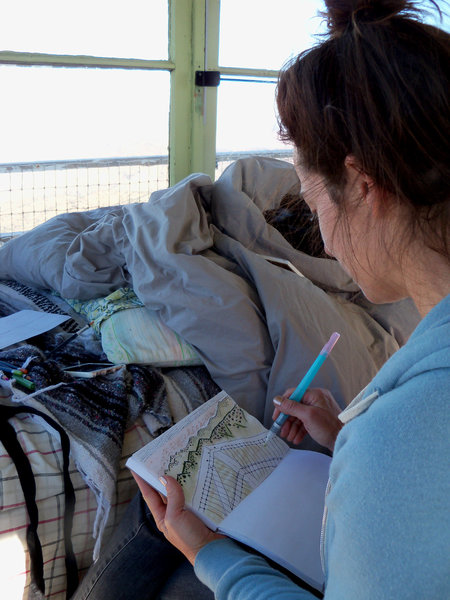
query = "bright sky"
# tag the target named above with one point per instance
(56, 113)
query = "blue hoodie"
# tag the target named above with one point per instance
(387, 531)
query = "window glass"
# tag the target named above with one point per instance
(53, 113)
(264, 34)
(246, 117)
(76, 139)
(112, 28)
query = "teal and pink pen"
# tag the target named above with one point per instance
(304, 384)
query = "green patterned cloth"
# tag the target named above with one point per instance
(134, 336)
(97, 310)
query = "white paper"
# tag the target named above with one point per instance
(26, 324)
(284, 263)
(283, 517)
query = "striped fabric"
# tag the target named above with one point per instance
(45, 456)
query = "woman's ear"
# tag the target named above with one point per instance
(366, 188)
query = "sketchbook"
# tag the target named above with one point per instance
(267, 496)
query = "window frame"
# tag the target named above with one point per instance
(193, 39)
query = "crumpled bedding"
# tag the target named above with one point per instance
(193, 253)
(107, 419)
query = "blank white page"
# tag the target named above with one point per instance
(282, 518)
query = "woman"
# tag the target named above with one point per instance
(368, 114)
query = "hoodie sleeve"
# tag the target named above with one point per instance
(234, 574)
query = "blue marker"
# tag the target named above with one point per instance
(304, 384)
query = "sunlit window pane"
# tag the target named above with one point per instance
(246, 117)
(76, 139)
(111, 28)
(264, 34)
(58, 113)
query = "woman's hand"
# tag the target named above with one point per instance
(180, 526)
(316, 414)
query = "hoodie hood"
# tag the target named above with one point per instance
(427, 349)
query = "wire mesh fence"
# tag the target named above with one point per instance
(31, 193)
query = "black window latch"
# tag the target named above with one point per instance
(207, 78)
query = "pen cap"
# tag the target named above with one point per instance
(330, 344)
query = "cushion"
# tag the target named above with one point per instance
(132, 333)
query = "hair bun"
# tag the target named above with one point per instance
(344, 14)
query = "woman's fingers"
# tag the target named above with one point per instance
(153, 500)
(319, 419)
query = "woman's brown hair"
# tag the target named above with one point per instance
(377, 88)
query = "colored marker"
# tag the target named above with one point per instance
(18, 375)
(304, 384)
(23, 381)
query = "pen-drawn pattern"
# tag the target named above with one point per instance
(225, 461)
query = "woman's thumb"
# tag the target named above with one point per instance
(175, 496)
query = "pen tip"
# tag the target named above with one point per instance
(268, 437)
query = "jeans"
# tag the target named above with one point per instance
(138, 562)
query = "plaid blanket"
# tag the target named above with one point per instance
(95, 413)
